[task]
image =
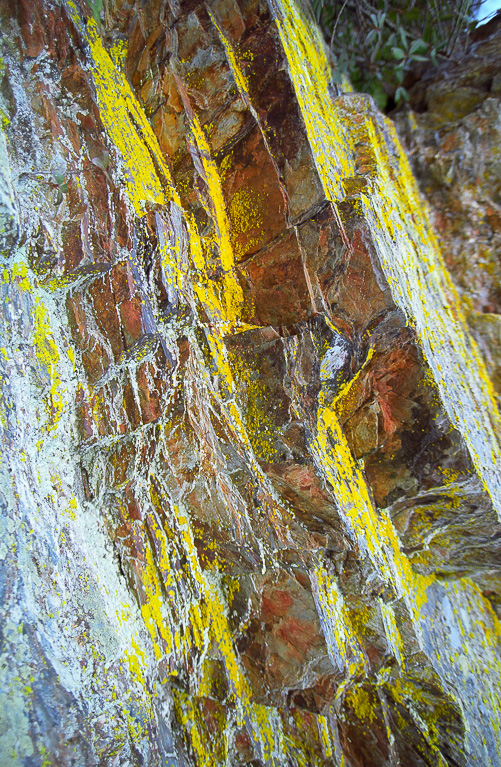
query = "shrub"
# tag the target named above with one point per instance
(377, 42)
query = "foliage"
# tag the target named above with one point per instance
(377, 42)
(61, 186)
(96, 8)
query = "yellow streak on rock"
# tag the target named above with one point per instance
(375, 534)
(128, 129)
(310, 73)
(342, 641)
(404, 239)
(151, 610)
(144, 166)
(392, 632)
(44, 346)
(232, 61)
(323, 728)
(47, 354)
(210, 749)
(360, 700)
(267, 731)
(342, 399)
(135, 665)
(421, 286)
(231, 296)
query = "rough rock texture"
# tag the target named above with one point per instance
(453, 135)
(250, 471)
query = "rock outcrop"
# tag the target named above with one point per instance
(251, 486)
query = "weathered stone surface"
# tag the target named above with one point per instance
(452, 132)
(250, 487)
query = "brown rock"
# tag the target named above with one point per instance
(277, 283)
(106, 315)
(253, 195)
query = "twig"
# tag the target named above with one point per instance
(337, 22)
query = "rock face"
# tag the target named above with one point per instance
(452, 134)
(250, 484)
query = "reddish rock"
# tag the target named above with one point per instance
(72, 244)
(263, 65)
(95, 361)
(77, 319)
(208, 577)
(131, 320)
(97, 189)
(122, 283)
(362, 292)
(152, 388)
(31, 22)
(277, 284)
(130, 405)
(253, 195)
(105, 311)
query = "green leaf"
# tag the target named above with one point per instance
(371, 36)
(398, 53)
(338, 75)
(96, 7)
(418, 46)
(317, 8)
(378, 93)
(401, 94)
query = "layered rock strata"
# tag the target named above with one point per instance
(250, 469)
